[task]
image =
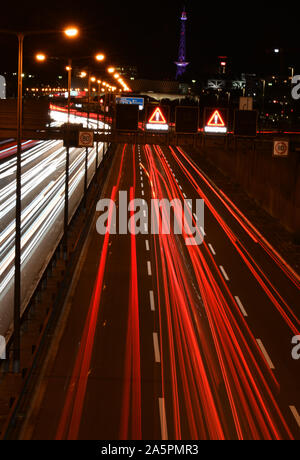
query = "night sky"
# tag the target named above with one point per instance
(146, 34)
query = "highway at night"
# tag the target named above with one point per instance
(149, 226)
(163, 340)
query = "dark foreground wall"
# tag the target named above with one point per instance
(274, 183)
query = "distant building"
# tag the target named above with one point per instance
(127, 71)
(2, 87)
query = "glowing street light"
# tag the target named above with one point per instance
(100, 57)
(110, 69)
(71, 32)
(40, 57)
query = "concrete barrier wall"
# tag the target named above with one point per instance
(274, 183)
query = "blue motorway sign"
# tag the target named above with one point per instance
(131, 100)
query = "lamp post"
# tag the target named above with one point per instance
(69, 70)
(17, 279)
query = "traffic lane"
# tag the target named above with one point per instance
(44, 166)
(37, 195)
(120, 401)
(182, 426)
(54, 387)
(251, 300)
(255, 345)
(287, 311)
(272, 265)
(42, 224)
(108, 359)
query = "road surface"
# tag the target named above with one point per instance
(164, 340)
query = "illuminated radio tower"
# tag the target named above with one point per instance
(181, 63)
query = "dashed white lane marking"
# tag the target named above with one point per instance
(195, 216)
(149, 268)
(295, 414)
(241, 306)
(180, 187)
(202, 231)
(143, 192)
(152, 303)
(264, 352)
(189, 205)
(224, 273)
(146, 227)
(184, 195)
(212, 249)
(156, 347)
(147, 245)
(163, 419)
(144, 213)
(142, 185)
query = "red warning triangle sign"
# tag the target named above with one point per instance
(157, 117)
(216, 119)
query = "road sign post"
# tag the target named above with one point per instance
(246, 103)
(245, 123)
(85, 138)
(157, 119)
(186, 120)
(280, 148)
(127, 117)
(215, 120)
(131, 101)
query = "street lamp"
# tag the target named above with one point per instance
(100, 57)
(71, 32)
(40, 57)
(17, 280)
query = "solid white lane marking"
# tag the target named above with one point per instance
(240, 305)
(163, 419)
(147, 245)
(212, 249)
(152, 303)
(156, 347)
(295, 414)
(149, 268)
(224, 273)
(264, 352)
